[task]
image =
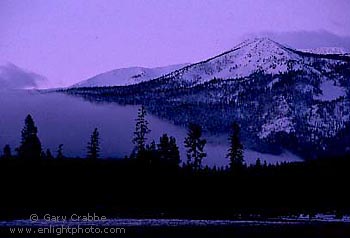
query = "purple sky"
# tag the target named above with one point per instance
(71, 40)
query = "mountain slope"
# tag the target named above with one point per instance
(245, 59)
(259, 54)
(281, 97)
(127, 76)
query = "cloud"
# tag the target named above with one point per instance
(13, 77)
(308, 39)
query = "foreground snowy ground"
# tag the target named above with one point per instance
(319, 218)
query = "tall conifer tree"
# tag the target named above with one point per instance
(235, 151)
(94, 145)
(195, 146)
(141, 131)
(30, 147)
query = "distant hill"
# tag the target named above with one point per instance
(127, 76)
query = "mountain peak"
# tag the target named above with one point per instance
(256, 41)
(252, 55)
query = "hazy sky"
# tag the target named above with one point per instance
(71, 40)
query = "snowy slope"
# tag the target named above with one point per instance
(127, 76)
(258, 54)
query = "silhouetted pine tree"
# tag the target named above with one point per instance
(175, 153)
(93, 148)
(7, 152)
(30, 147)
(152, 147)
(49, 154)
(43, 155)
(195, 146)
(168, 150)
(150, 154)
(141, 130)
(235, 151)
(265, 166)
(258, 164)
(60, 152)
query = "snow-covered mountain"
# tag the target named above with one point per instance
(253, 55)
(14, 77)
(127, 76)
(243, 60)
(281, 97)
(248, 57)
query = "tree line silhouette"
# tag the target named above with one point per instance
(152, 181)
(166, 151)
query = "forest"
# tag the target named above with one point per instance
(153, 183)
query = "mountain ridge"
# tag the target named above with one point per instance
(245, 43)
(127, 76)
(282, 98)
(172, 71)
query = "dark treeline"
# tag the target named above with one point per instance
(165, 151)
(152, 182)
